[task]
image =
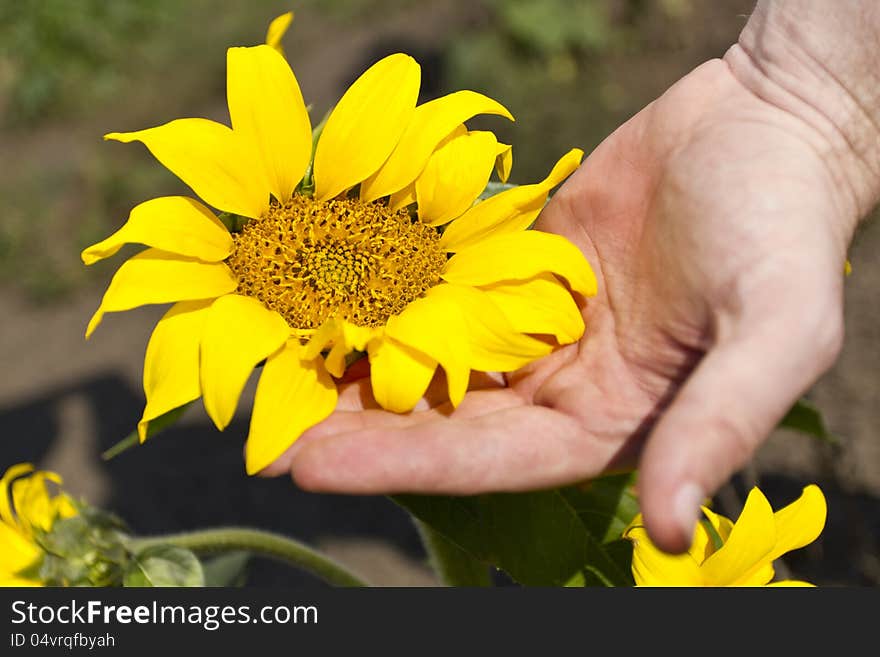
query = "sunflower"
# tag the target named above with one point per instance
(724, 553)
(367, 235)
(27, 511)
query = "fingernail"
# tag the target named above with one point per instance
(686, 507)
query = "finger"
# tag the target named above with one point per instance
(517, 447)
(729, 405)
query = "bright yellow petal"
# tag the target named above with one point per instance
(239, 332)
(267, 110)
(801, 522)
(293, 394)
(539, 305)
(216, 163)
(748, 547)
(493, 344)
(703, 544)
(63, 506)
(366, 125)
(455, 176)
(12, 473)
(406, 196)
(510, 211)
(653, 567)
(155, 276)
(32, 502)
(520, 256)
(792, 583)
(435, 326)
(171, 365)
(17, 552)
(357, 337)
(277, 29)
(176, 224)
(399, 374)
(504, 161)
(431, 123)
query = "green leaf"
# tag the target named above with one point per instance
(605, 505)
(164, 565)
(536, 537)
(621, 553)
(805, 418)
(228, 569)
(153, 427)
(454, 566)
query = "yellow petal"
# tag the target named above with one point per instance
(653, 567)
(748, 547)
(357, 337)
(17, 552)
(32, 502)
(322, 338)
(155, 276)
(399, 374)
(366, 125)
(171, 365)
(293, 394)
(239, 332)
(455, 176)
(406, 196)
(792, 583)
(510, 211)
(12, 473)
(435, 326)
(520, 256)
(215, 162)
(176, 224)
(504, 161)
(267, 110)
(277, 29)
(493, 344)
(539, 305)
(801, 522)
(703, 544)
(431, 123)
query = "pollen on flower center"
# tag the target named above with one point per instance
(315, 260)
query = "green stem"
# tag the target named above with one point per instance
(453, 565)
(267, 544)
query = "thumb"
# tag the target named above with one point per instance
(733, 400)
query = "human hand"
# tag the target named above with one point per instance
(717, 225)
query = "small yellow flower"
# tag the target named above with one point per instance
(377, 242)
(747, 548)
(27, 510)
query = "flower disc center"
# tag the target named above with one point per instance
(311, 261)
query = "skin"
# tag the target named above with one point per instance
(717, 221)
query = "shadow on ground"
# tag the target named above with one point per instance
(193, 477)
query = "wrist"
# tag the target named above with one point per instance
(822, 67)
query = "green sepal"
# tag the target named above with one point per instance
(88, 549)
(154, 426)
(234, 222)
(164, 565)
(493, 188)
(306, 186)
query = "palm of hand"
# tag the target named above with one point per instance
(708, 219)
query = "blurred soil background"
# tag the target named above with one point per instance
(569, 70)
